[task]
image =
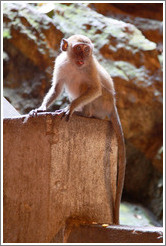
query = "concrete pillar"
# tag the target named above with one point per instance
(55, 171)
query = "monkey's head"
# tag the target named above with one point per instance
(79, 49)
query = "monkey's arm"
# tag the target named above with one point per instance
(51, 96)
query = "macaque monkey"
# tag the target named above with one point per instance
(91, 92)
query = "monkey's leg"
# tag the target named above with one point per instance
(87, 97)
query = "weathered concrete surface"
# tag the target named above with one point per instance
(116, 234)
(55, 170)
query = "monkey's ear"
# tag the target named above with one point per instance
(92, 46)
(64, 44)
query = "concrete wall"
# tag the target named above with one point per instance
(116, 234)
(54, 171)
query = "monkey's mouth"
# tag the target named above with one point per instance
(80, 62)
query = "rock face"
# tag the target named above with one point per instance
(148, 11)
(32, 35)
(147, 20)
(31, 41)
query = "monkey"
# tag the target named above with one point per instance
(91, 91)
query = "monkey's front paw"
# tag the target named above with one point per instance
(66, 113)
(66, 116)
(34, 112)
(59, 111)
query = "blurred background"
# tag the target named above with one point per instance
(128, 40)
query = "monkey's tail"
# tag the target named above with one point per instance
(121, 163)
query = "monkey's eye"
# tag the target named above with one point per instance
(78, 48)
(86, 50)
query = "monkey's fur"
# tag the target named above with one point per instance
(91, 91)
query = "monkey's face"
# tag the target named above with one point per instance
(81, 53)
(79, 49)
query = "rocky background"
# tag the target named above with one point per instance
(128, 42)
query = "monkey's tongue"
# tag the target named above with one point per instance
(80, 62)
